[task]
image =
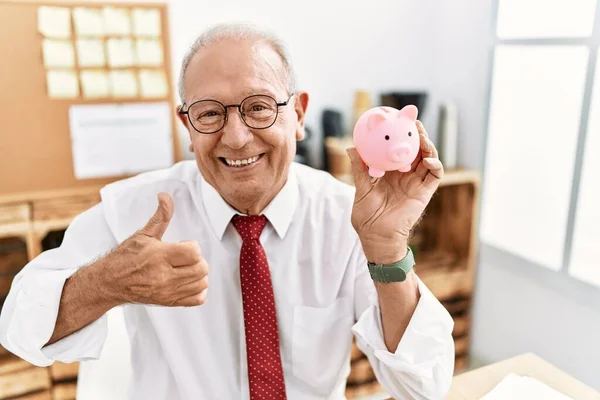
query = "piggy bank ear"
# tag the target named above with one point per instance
(409, 111)
(375, 119)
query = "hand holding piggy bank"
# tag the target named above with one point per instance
(387, 139)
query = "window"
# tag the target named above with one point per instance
(540, 195)
(585, 256)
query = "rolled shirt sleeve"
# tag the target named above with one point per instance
(422, 365)
(31, 308)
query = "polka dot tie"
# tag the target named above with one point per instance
(265, 372)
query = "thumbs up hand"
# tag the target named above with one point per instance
(146, 270)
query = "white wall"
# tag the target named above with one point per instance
(360, 46)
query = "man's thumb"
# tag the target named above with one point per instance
(158, 223)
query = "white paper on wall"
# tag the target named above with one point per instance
(119, 139)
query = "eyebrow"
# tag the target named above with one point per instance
(245, 93)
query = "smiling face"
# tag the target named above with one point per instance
(229, 71)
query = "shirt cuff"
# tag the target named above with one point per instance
(34, 319)
(425, 343)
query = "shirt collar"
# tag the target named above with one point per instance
(279, 211)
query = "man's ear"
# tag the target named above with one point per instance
(182, 117)
(185, 121)
(300, 106)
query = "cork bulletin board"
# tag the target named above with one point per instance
(35, 136)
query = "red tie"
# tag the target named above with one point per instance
(265, 372)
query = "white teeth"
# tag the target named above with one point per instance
(238, 163)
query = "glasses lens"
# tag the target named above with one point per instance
(259, 111)
(207, 116)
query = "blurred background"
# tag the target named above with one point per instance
(508, 90)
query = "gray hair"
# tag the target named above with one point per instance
(238, 31)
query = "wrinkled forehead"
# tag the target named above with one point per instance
(230, 70)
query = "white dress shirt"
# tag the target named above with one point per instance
(323, 294)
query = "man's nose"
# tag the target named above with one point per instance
(236, 133)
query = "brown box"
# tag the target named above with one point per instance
(361, 372)
(10, 363)
(45, 395)
(24, 381)
(64, 391)
(61, 371)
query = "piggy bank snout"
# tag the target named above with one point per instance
(399, 152)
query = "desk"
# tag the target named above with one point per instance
(474, 384)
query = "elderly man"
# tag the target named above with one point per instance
(250, 276)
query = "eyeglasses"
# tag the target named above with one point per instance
(257, 111)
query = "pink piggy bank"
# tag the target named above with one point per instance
(387, 139)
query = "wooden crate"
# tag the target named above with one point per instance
(22, 379)
(364, 389)
(64, 391)
(43, 395)
(25, 224)
(64, 372)
(361, 372)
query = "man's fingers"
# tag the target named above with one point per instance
(360, 171)
(193, 287)
(427, 147)
(435, 170)
(421, 129)
(159, 222)
(421, 170)
(182, 253)
(189, 273)
(193, 300)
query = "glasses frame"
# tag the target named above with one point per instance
(239, 108)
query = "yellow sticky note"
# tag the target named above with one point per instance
(58, 53)
(94, 84)
(88, 21)
(120, 52)
(62, 84)
(146, 22)
(117, 21)
(90, 53)
(153, 84)
(123, 84)
(149, 52)
(54, 22)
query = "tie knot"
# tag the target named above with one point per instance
(249, 227)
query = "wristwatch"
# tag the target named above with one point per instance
(395, 272)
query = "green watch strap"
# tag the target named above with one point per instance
(395, 272)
